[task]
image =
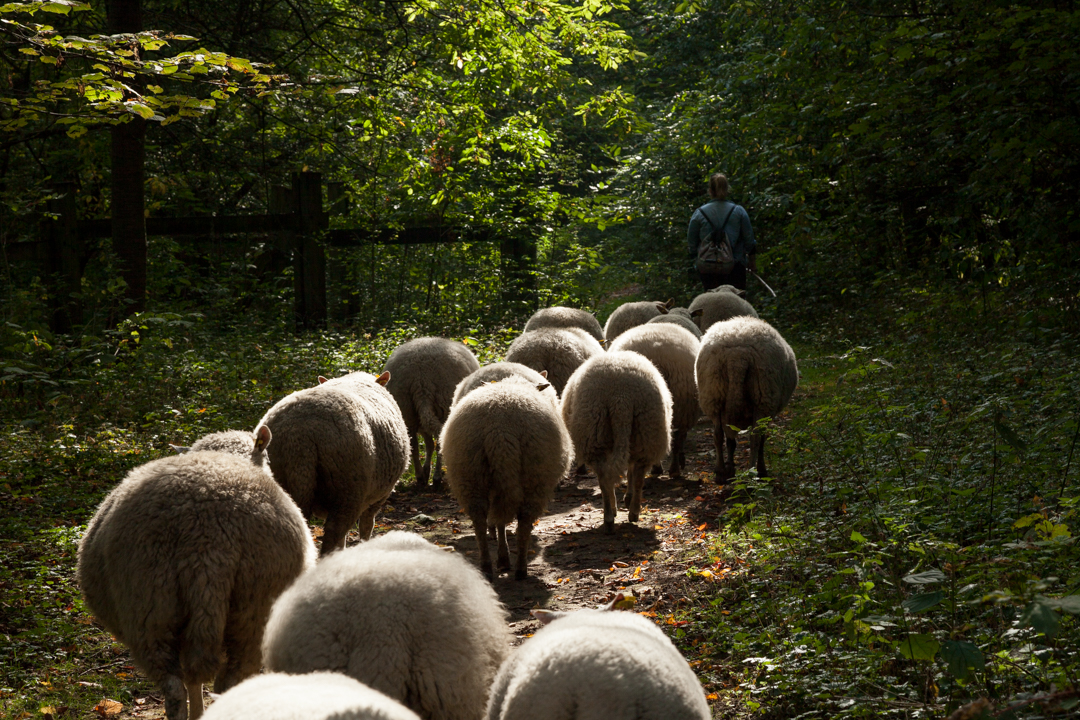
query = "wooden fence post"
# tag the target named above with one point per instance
(307, 195)
(63, 263)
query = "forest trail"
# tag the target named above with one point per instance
(573, 563)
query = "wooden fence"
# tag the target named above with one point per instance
(297, 223)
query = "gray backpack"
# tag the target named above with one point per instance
(715, 255)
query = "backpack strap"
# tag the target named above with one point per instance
(726, 217)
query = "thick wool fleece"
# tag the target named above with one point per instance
(423, 375)
(673, 351)
(617, 408)
(630, 315)
(560, 351)
(506, 449)
(497, 371)
(314, 696)
(745, 372)
(237, 442)
(182, 562)
(680, 319)
(565, 317)
(597, 665)
(338, 450)
(719, 304)
(400, 615)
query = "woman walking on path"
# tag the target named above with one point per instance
(721, 217)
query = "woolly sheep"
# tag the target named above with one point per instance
(424, 373)
(314, 696)
(565, 317)
(596, 665)
(745, 372)
(560, 351)
(718, 304)
(340, 448)
(400, 615)
(682, 320)
(672, 350)
(182, 562)
(501, 371)
(632, 314)
(506, 449)
(617, 408)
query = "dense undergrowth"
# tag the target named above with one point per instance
(914, 551)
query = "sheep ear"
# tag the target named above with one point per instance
(698, 313)
(321, 379)
(180, 449)
(543, 386)
(620, 602)
(262, 438)
(383, 379)
(670, 303)
(662, 308)
(740, 293)
(546, 617)
(543, 374)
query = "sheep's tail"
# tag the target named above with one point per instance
(430, 422)
(736, 394)
(620, 415)
(504, 459)
(206, 600)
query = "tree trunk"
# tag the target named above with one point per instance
(127, 154)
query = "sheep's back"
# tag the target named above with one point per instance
(745, 371)
(618, 395)
(672, 350)
(719, 306)
(314, 696)
(401, 616)
(590, 667)
(560, 351)
(495, 372)
(506, 443)
(565, 317)
(676, 318)
(629, 315)
(423, 375)
(190, 539)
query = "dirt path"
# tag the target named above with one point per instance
(575, 564)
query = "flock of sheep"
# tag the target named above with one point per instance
(203, 563)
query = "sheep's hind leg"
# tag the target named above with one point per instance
(634, 489)
(611, 506)
(480, 527)
(524, 536)
(757, 452)
(176, 698)
(678, 458)
(335, 532)
(421, 471)
(504, 549)
(725, 466)
(432, 446)
(194, 697)
(367, 519)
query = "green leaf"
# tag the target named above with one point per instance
(962, 657)
(141, 110)
(1069, 604)
(918, 647)
(1041, 616)
(923, 601)
(1009, 435)
(856, 536)
(925, 578)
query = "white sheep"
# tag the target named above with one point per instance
(673, 350)
(682, 319)
(632, 314)
(182, 562)
(719, 304)
(339, 449)
(745, 372)
(496, 371)
(424, 373)
(597, 665)
(505, 448)
(400, 615)
(560, 351)
(312, 696)
(564, 317)
(617, 408)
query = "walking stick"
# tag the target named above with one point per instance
(762, 282)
